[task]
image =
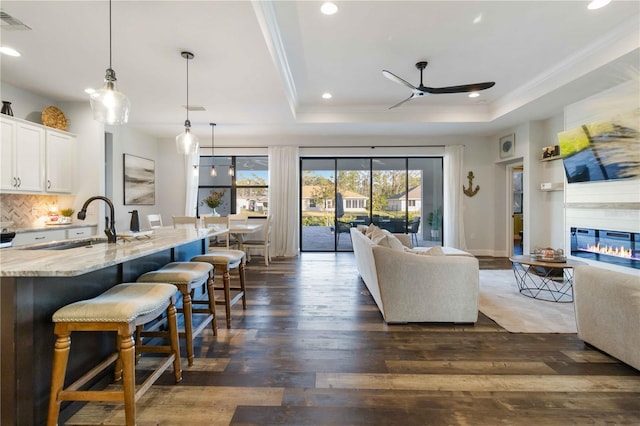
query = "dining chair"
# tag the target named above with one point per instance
(262, 242)
(154, 221)
(184, 221)
(222, 240)
(237, 219)
(413, 228)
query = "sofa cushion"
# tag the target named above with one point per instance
(432, 251)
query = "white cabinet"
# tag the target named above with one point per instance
(35, 158)
(22, 150)
(86, 231)
(23, 238)
(60, 161)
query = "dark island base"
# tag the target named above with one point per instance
(27, 306)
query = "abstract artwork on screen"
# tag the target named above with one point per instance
(604, 150)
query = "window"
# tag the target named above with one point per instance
(339, 193)
(244, 192)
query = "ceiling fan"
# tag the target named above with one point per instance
(422, 90)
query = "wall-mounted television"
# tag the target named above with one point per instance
(602, 150)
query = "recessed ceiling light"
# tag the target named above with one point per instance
(328, 8)
(327, 95)
(9, 51)
(477, 19)
(597, 4)
(474, 94)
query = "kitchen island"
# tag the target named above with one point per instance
(35, 282)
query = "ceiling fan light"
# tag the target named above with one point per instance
(474, 94)
(109, 105)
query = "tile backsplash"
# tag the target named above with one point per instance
(26, 210)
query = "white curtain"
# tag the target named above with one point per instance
(453, 219)
(283, 200)
(191, 180)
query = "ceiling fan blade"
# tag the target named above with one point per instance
(401, 102)
(458, 89)
(391, 76)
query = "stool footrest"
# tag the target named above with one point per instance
(85, 378)
(154, 376)
(66, 395)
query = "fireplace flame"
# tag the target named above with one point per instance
(610, 250)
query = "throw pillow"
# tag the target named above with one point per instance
(370, 230)
(379, 237)
(393, 241)
(362, 228)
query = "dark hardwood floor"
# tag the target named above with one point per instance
(312, 349)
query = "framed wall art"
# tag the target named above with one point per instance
(139, 176)
(507, 146)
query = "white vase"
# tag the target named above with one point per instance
(215, 213)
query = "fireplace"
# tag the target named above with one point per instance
(615, 247)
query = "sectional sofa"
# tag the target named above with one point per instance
(417, 286)
(607, 305)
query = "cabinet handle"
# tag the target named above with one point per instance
(40, 238)
(48, 184)
(15, 182)
(19, 183)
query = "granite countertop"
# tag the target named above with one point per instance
(25, 262)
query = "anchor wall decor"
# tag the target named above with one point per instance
(470, 192)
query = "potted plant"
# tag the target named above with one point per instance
(434, 219)
(66, 215)
(214, 200)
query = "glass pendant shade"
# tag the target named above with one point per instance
(109, 105)
(232, 170)
(213, 171)
(187, 143)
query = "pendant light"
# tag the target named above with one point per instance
(232, 170)
(213, 159)
(187, 142)
(109, 105)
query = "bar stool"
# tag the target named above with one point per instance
(122, 309)
(225, 261)
(188, 277)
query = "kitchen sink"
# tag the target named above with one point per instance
(65, 245)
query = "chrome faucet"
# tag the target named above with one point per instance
(110, 225)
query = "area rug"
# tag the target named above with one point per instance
(501, 301)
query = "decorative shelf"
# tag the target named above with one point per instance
(555, 157)
(552, 186)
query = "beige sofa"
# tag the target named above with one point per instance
(607, 306)
(410, 287)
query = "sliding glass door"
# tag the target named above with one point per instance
(403, 195)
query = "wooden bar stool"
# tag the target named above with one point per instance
(188, 277)
(225, 261)
(122, 309)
